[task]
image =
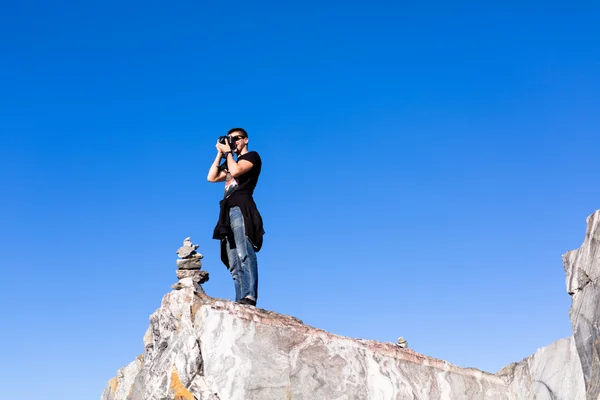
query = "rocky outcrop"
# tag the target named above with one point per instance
(198, 347)
(552, 373)
(172, 361)
(582, 267)
(201, 348)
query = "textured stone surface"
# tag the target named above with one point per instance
(204, 348)
(277, 357)
(120, 386)
(188, 249)
(582, 267)
(187, 283)
(189, 263)
(197, 275)
(552, 373)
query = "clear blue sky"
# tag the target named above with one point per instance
(425, 166)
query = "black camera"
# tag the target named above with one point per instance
(226, 140)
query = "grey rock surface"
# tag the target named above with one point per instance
(198, 347)
(552, 373)
(119, 386)
(189, 267)
(189, 263)
(197, 275)
(187, 283)
(582, 267)
(201, 348)
(188, 249)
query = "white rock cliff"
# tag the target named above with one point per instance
(202, 348)
(582, 267)
(552, 373)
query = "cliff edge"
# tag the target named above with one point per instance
(202, 348)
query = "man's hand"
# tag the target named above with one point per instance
(223, 148)
(214, 173)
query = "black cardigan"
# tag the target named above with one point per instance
(252, 222)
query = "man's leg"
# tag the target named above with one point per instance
(234, 269)
(247, 257)
(251, 273)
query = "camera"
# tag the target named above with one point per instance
(226, 140)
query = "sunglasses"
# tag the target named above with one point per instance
(236, 138)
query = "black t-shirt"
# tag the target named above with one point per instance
(238, 193)
(245, 183)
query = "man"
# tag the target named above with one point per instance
(240, 226)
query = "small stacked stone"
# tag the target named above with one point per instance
(190, 264)
(402, 342)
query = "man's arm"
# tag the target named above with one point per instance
(237, 168)
(214, 175)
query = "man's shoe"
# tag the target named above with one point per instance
(247, 301)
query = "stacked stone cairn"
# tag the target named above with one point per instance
(402, 343)
(189, 266)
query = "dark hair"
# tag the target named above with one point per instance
(242, 130)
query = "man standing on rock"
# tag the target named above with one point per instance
(240, 227)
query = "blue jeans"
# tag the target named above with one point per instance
(242, 259)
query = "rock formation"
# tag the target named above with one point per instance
(189, 266)
(202, 348)
(552, 373)
(582, 267)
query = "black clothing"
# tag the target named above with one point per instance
(238, 192)
(244, 183)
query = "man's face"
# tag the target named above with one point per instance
(239, 141)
